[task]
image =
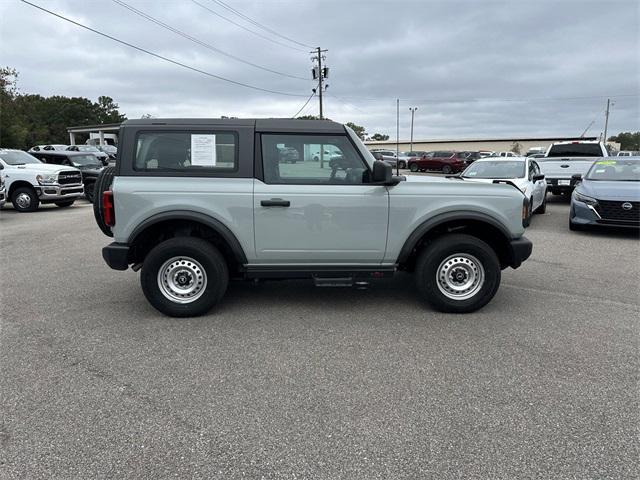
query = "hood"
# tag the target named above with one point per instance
(90, 170)
(41, 167)
(602, 190)
(429, 179)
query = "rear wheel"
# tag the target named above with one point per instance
(184, 277)
(413, 167)
(25, 199)
(446, 169)
(458, 273)
(103, 183)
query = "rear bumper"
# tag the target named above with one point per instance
(553, 185)
(116, 255)
(521, 249)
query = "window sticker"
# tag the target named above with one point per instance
(606, 162)
(203, 150)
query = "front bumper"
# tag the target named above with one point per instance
(52, 193)
(582, 215)
(117, 255)
(520, 250)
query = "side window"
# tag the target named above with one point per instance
(291, 159)
(532, 170)
(536, 168)
(186, 151)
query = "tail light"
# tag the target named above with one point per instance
(108, 210)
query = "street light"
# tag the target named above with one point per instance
(413, 111)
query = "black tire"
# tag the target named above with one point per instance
(215, 270)
(435, 254)
(413, 167)
(103, 183)
(446, 169)
(527, 220)
(65, 204)
(402, 164)
(89, 189)
(316, 159)
(542, 209)
(23, 204)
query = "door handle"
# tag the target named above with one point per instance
(275, 202)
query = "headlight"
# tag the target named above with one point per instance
(579, 197)
(47, 179)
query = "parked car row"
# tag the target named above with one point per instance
(104, 152)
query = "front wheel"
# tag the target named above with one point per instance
(88, 191)
(25, 199)
(446, 170)
(458, 273)
(527, 220)
(413, 167)
(184, 277)
(65, 204)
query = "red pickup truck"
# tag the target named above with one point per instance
(445, 161)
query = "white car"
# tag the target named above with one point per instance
(3, 190)
(523, 172)
(29, 182)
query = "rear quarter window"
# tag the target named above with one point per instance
(192, 151)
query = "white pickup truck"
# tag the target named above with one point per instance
(29, 182)
(563, 160)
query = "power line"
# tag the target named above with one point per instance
(161, 57)
(248, 29)
(257, 24)
(200, 42)
(305, 104)
(487, 99)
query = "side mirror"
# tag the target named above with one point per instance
(576, 178)
(382, 172)
(538, 177)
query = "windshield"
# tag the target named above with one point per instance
(86, 148)
(615, 171)
(575, 150)
(500, 169)
(18, 157)
(109, 149)
(84, 160)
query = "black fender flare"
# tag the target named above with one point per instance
(433, 222)
(213, 223)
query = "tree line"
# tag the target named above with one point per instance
(29, 119)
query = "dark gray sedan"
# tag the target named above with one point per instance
(608, 195)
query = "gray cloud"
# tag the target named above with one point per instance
(473, 68)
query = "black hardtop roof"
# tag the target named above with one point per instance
(260, 124)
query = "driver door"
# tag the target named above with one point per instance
(308, 213)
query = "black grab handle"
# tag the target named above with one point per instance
(275, 202)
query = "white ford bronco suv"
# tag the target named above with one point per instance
(195, 203)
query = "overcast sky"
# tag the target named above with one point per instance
(474, 69)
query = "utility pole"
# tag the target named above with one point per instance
(397, 136)
(413, 111)
(319, 73)
(606, 120)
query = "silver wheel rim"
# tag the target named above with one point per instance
(23, 200)
(182, 280)
(460, 276)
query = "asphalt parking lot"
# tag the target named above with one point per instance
(286, 380)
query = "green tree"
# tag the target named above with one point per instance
(516, 148)
(359, 130)
(379, 137)
(627, 140)
(107, 111)
(308, 117)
